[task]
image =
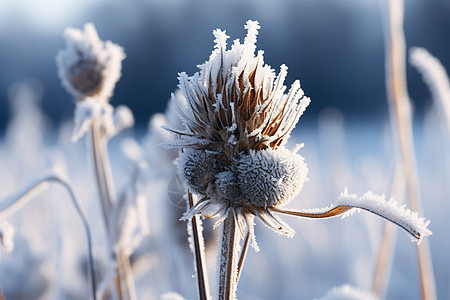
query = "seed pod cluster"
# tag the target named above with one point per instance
(261, 178)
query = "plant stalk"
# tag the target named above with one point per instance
(199, 255)
(104, 182)
(229, 253)
(387, 247)
(400, 112)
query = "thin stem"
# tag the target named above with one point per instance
(199, 255)
(387, 247)
(12, 203)
(130, 286)
(118, 283)
(229, 258)
(106, 167)
(98, 170)
(401, 116)
(243, 255)
(104, 181)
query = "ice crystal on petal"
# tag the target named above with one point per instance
(89, 67)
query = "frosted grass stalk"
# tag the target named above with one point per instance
(14, 202)
(401, 120)
(89, 69)
(435, 76)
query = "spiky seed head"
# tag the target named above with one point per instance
(240, 110)
(89, 67)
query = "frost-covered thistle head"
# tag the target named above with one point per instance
(89, 67)
(239, 118)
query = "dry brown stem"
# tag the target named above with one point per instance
(401, 119)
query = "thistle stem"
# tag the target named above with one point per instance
(199, 255)
(104, 182)
(98, 170)
(400, 112)
(228, 270)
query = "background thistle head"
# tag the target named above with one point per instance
(89, 67)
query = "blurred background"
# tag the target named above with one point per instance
(334, 47)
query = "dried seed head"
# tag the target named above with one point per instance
(271, 177)
(89, 67)
(262, 178)
(239, 111)
(239, 118)
(86, 77)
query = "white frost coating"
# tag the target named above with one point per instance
(134, 226)
(271, 177)
(122, 118)
(7, 236)
(132, 150)
(88, 66)
(238, 69)
(347, 292)
(89, 110)
(389, 210)
(435, 77)
(172, 296)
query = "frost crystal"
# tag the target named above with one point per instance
(89, 67)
